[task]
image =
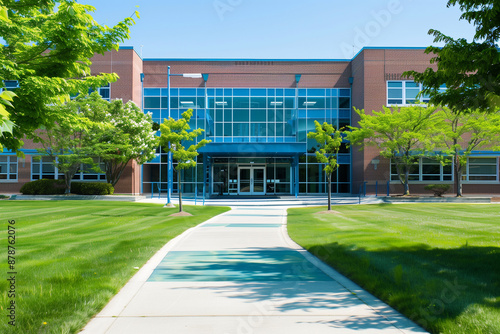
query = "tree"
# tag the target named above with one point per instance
(174, 135)
(129, 136)
(402, 135)
(48, 47)
(329, 140)
(459, 133)
(6, 125)
(65, 141)
(6, 97)
(470, 70)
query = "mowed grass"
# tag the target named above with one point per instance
(439, 264)
(73, 256)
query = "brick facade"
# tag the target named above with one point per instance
(366, 74)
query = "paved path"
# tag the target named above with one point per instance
(239, 273)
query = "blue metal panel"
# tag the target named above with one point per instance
(254, 149)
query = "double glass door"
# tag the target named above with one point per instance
(252, 180)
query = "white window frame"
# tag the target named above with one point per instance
(423, 100)
(466, 174)
(79, 176)
(8, 173)
(421, 175)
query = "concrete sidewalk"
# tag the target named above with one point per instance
(240, 273)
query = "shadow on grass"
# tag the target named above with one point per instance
(429, 285)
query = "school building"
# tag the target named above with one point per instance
(257, 113)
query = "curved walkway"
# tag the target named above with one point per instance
(240, 273)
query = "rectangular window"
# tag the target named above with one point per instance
(42, 167)
(10, 84)
(403, 93)
(426, 169)
(8, 168)
(481, 169)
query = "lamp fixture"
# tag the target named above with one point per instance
(192, 75)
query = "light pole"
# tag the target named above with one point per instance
(170, 171)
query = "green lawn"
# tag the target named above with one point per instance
(439, 264)
(73, 256)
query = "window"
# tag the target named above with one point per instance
(405, 93)
(86, 173)
(10, 84)
(8, 168)
(272, 115)
(481, 169)
(43, 168)
(426, 169)
(104, 91)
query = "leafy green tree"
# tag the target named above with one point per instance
(129, 134)
(174, 135)
(402, 135)
(470, 70)
(330, 141)
(459, 133)
(48, 47)
(6, 125)
(6, 97)
(65, 141)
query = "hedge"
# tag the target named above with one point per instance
(43, 187)
(438, 189)
(92, 188)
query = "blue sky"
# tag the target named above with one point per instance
(278, 29)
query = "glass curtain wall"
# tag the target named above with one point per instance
(253, 115)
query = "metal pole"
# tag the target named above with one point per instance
(204, 155)
(169, 162)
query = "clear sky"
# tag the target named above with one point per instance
(278, 29)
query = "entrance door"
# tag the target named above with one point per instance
(252, 181)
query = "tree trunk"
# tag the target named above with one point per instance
(180, 189)
(67, 182)
(329, 192)
(406, 183)
(458, 176)
(114, 171)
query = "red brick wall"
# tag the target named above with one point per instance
(128, 65)
(372, 66)
(315, 74)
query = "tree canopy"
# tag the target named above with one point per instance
(131, 135)
(66, 140)
(330, 141)
(92, 131)
(174, 135)
(48, 49)
(470, 70)
(460, 133)
(402, 135)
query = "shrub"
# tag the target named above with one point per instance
(43, 187)
(92, 188)
(438, 189)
